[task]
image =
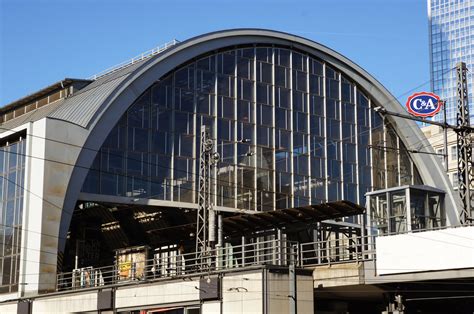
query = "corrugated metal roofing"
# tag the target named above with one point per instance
(31, 116)
(112, 76)
(81, 107)
(41, 93)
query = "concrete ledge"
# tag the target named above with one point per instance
(338, 275)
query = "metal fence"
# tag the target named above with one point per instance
(334, 251)
(171, 264)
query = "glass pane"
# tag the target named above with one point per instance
(258, 102)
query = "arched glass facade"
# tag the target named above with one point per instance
(291, 130)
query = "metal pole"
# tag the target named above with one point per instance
(292, 279)
(205, 221)
(383, 111)
(76, 258)
(280, 247)
(212, 227)
(243, 251)
(464, 143)
(445, 138)
(220, 241)
(363, 237)
(203, 198)
(220, 230)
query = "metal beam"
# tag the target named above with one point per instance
(409, 117)
(464, 144)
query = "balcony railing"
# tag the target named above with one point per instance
(334, 251)
(173, 264)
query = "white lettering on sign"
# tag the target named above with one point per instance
(420, 104)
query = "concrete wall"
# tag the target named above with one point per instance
(253, 291)
(338, 275)
(211, 307)
(160, 293)
(305, 294)
(248, 298)
(278, 291)
(425, 251)
(10, 308)
(48, 171)
(70, 303)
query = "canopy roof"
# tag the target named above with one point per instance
(128, 225)
(290, 218)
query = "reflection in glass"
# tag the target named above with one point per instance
(12, 169)
(290, 130)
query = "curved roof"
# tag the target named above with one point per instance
(80, 108)
(85, 106)
(99, 106)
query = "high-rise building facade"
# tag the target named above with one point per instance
(451, 29)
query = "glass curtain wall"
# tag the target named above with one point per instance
(451, 33)
(291, 130)
(12, 168)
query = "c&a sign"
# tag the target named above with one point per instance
(424, 104)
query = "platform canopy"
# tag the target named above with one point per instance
(289, 218)
(125, 225)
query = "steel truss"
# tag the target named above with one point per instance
(205, 221)
(464, 147)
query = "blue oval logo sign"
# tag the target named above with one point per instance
(423, 104)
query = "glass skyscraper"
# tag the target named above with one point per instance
(451, 28)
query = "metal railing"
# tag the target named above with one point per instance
(143, 56)
(173, 264)
(334, 251)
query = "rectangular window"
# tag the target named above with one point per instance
(454, 153)
(455, 179)
(440, 152)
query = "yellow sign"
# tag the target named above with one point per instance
(124, 267)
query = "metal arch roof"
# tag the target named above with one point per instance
(77, 108)
(102, 117)
(31, 116)
(80, 108)
(90, 102)
(42, 92)
(95, 107)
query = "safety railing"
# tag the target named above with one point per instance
(143, 56)
(334, 251)
(173, 264)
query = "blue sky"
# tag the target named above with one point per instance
(44, 41)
